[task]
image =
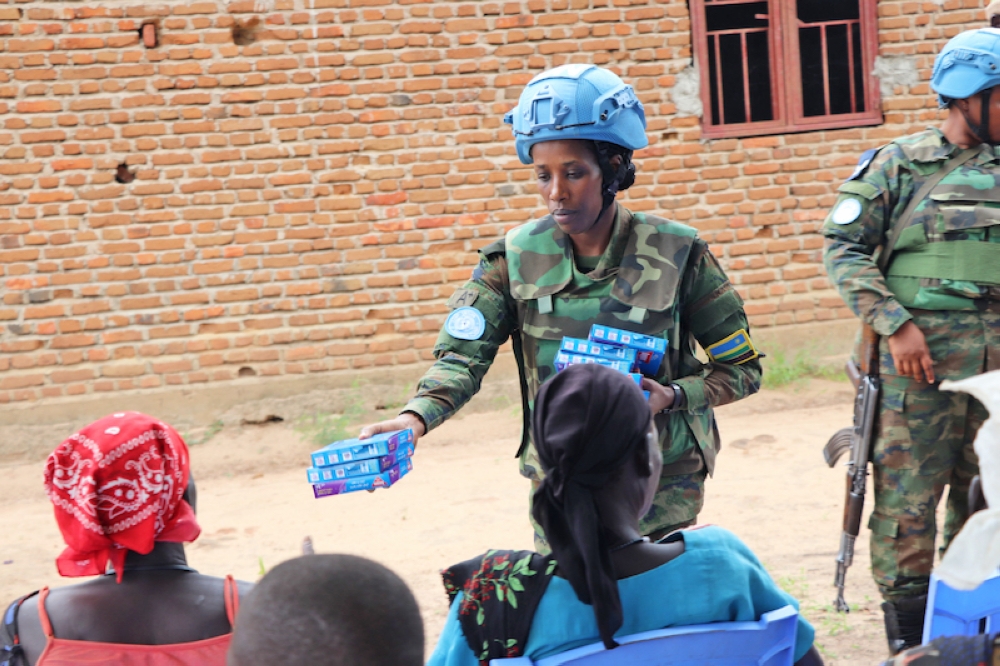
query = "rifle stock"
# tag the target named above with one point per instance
(865, 405)
(868, 355)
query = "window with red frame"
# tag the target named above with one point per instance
(775, 66)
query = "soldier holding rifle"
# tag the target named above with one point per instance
(913, 245)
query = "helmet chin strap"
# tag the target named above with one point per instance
(982, 133)
(609, 198)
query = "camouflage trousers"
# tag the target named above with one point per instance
(924, 443)
(677, 504)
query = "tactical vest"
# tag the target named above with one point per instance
(948, 255)
(639, 292)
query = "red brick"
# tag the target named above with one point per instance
(11, 381)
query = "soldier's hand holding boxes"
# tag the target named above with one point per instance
(354, 464)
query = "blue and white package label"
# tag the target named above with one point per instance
(370, 482)
(650, 349)
(349, 450)
(564, 359)
(590, 348)
(359, 467)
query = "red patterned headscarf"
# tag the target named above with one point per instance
(116, 486)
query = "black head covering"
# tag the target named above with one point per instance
(587, 422)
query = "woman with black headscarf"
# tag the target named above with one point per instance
(599, 450)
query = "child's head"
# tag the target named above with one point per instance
(329, 609)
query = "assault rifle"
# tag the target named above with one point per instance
(858, 440)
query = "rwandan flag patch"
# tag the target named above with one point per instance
(735, 349)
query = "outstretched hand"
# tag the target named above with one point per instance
(401, 422)
(910, 353)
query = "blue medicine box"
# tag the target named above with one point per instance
(650, 349)
(349, 450)
(564, 359)
(370, 482)
(590, 348)
(362, 467)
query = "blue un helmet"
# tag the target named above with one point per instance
(577, 102)
(968, 63)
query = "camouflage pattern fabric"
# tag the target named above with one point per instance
(656, 277)
(924, 436)
(924, 442)
(677, 503)
(963, 206)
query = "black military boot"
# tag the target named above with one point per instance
(904, 622)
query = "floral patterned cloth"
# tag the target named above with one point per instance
(501, 590)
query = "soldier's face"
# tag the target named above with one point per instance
(569, 179)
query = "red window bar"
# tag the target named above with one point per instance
(719, 88)
(761, 92)
(840, 40)
(806, 90)
(825, 50)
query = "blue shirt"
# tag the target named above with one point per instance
(716, 579)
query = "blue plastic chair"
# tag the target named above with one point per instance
(952, 612)
(770, 641)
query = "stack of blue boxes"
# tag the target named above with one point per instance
(361, 464)
(631, 353)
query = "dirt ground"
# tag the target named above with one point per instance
(465, 495)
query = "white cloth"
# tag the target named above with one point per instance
(974, 554)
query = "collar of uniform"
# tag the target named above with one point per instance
(539, 259)
(932, 147)
(548, 256)
(935, 147)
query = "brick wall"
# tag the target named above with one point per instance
(305, 200)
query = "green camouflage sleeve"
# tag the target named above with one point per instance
(855, 227)
(713, 314)
(461, 364)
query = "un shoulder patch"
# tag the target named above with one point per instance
(847, 211)
(465, 324)
(733, 350)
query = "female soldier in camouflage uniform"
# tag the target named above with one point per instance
(592, 261)
(937, 307)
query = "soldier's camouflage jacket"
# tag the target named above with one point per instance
(945, 269)
(656, 277)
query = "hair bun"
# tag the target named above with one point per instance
(628, 179)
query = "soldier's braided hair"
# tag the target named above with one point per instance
(614, 179)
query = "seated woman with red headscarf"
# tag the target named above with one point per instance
(598, 447)
(124, 503)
